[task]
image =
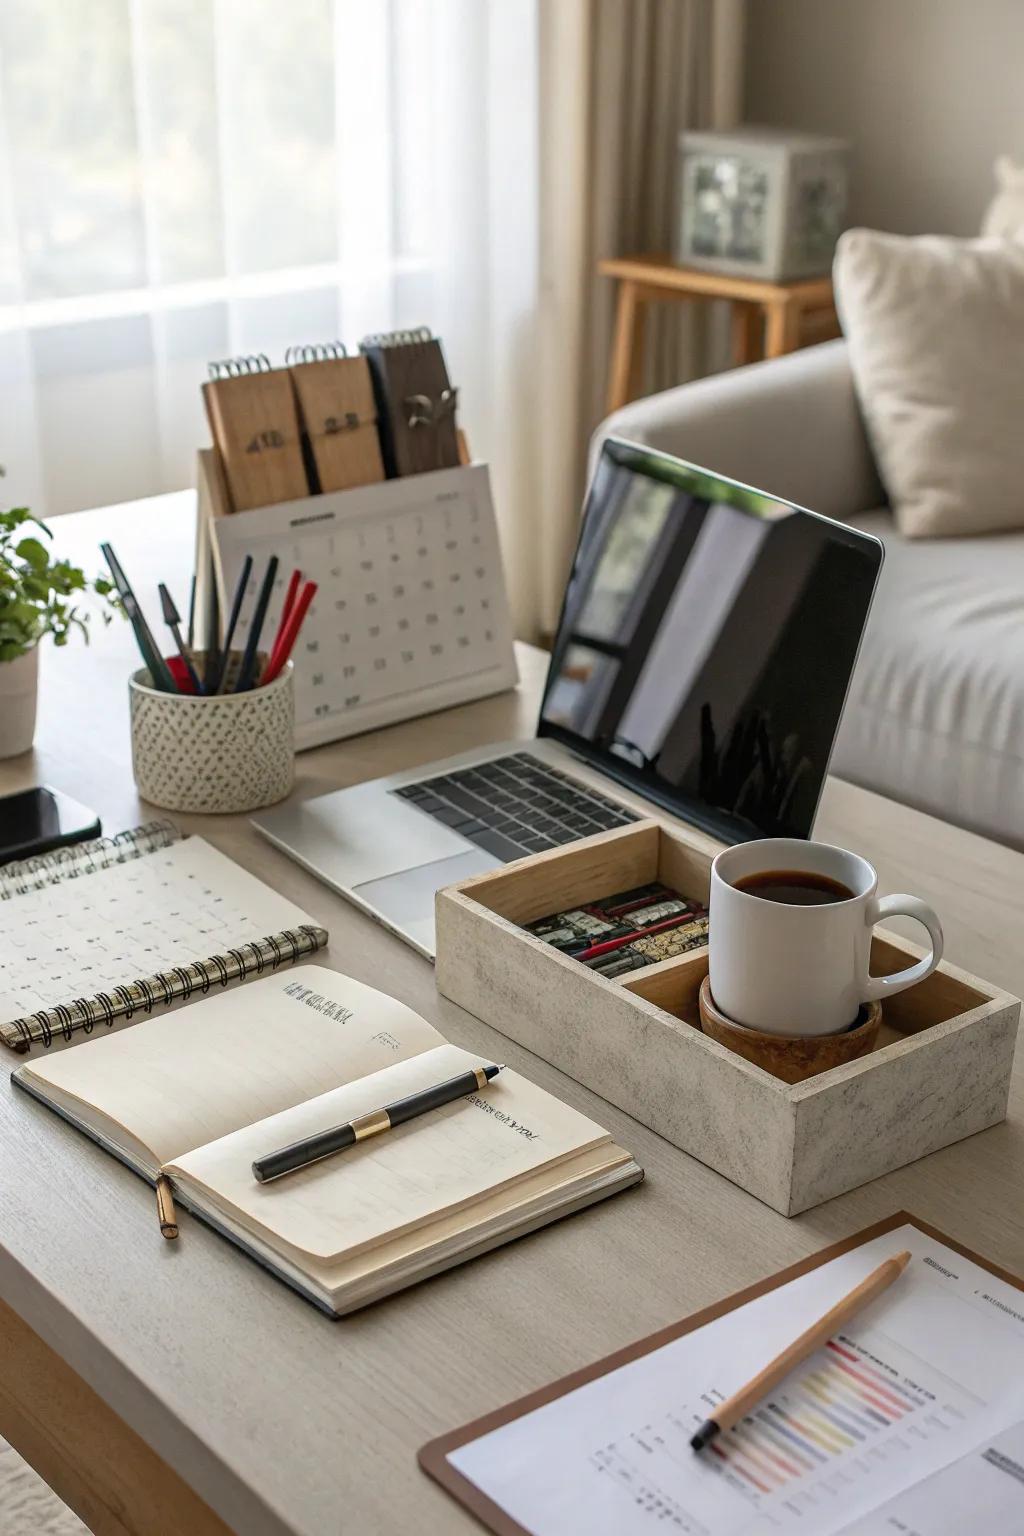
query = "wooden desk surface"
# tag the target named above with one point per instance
(284, 1422)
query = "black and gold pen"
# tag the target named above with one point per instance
(166, 1214)
(312, 1149)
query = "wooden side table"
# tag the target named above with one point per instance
(768, 319)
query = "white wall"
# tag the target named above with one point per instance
(929, 91)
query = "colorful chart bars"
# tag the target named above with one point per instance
(837, 1404)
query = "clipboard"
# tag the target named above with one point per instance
(433, 1457)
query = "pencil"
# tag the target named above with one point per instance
(165, 1208)
(815, 1337)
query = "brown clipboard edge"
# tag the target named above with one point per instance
(433, 1457)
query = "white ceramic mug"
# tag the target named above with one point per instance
(803, 970)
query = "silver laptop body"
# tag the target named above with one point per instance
(707, 639)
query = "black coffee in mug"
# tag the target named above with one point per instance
(794, 887)
(798, 961)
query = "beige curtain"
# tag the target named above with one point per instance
(619, 80)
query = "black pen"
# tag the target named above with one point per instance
(245, 671)
(192, 613)
(312, 1149)
(159, 672)
(220, 662)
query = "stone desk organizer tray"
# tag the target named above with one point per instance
(939, 1072)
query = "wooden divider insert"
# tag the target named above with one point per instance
(685, 866)
(565, 877)
(601, 865)
(673, 985)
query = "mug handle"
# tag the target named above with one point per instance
(881, 987)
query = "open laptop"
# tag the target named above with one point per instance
(706, 643)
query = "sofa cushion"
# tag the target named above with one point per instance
(936, 334)
(1004, 216)
(935, 716)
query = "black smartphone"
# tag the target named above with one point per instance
(37, 820)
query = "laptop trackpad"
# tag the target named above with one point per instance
(407, 899)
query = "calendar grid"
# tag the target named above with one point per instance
(410, 613)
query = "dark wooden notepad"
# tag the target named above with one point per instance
(339, 414)
(433, 1457)
(415, 402)
(255, 424)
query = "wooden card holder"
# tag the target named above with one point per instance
(255, 425)
(415, 402)
(939, 1072)
(339, 413)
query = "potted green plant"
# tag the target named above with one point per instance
(38, 596)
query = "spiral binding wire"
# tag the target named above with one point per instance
(315, 352)
(396, 338)
(238, 367)
(164, 988)
(84, 858)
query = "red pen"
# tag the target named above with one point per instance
(289, 599)
(179, 671)
(641, 933)
(286, 640)
(286, 613)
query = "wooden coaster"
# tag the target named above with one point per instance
(791, 1057)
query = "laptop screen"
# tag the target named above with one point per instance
(706, 643)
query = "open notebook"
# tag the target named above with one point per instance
(201, 1096)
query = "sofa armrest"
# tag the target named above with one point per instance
(791, 427)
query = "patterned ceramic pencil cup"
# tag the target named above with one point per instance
(222, 753)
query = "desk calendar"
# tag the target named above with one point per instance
(411, 613)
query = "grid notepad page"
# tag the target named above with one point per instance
(96, 932)
(410, 614)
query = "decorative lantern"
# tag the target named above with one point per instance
(761, 202)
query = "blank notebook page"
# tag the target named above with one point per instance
(176, 1083)
(89, 934)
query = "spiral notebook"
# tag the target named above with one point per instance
(122, 927)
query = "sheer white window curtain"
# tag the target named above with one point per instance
(184, 180)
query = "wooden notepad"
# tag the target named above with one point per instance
(914, 1410)
(255, 424)
(416, 404)
(339, 414)
(199, 1097)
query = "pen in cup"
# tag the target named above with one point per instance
(244, 681)
(159, 672)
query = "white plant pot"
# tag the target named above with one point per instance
(19, 686)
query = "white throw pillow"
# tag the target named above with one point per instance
(936, 335)
(1004, 216)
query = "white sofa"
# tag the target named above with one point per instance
(935, 716)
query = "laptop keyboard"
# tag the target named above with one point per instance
(515, 805)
